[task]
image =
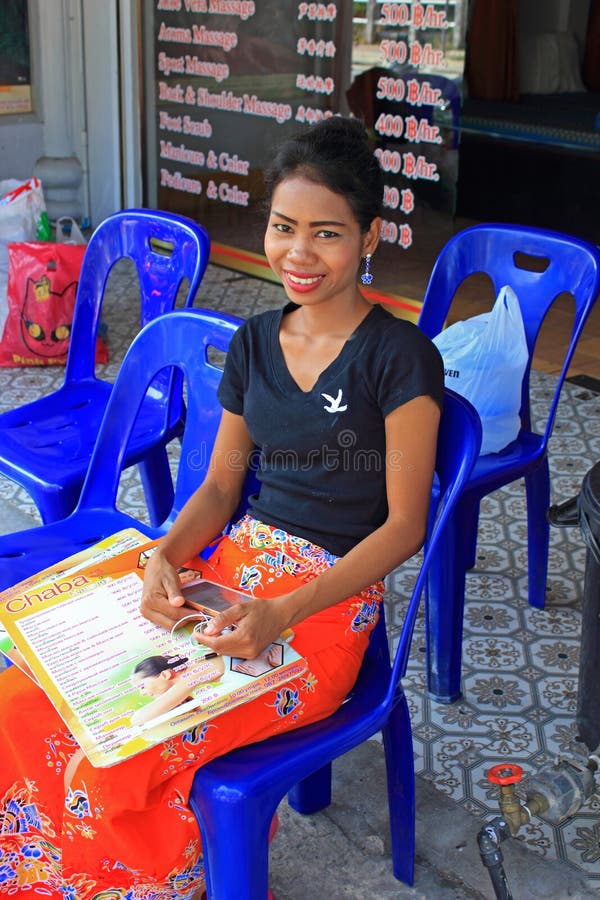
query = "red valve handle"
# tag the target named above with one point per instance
(505, 773)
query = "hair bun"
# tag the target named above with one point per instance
(337, 154)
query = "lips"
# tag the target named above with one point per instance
(302, 282)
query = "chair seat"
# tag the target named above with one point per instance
(164, 342)
(45, 446)
(497, 469)
(53, 439)
(494, 470)
(24, 553)
(288, 758)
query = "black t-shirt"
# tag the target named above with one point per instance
(321, 453)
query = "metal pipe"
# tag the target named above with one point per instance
(556, 792)
(489, 840)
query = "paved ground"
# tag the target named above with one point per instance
(344, 852)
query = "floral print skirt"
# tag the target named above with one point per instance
(69, 831)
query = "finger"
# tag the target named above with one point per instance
(223, 620)
(159, 608)
(234, 643)
(159, 618)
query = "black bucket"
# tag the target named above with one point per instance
(584, 510)
(588, 700)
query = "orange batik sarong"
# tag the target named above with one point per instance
(127, 833)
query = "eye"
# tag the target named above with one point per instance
(325, 233)
(282, 227)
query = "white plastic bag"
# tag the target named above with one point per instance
(485, 358)
(68, 231)
(22, 218)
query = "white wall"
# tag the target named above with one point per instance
(21, 136)
(87, 102)
(21, 143)
(100, 41)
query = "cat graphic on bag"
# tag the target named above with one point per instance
(47, 317)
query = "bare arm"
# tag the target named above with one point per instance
(201, 520)
(411, 436)
(181, 689)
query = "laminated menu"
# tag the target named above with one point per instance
(110, 546)
(121, 683)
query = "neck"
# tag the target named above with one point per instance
(333, 319)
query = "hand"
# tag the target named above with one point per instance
(162, 600)
(256, 624)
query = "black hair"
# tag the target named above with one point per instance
(154, 665)
(335, 153)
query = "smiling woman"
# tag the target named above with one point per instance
(316, 255)
(340, 402)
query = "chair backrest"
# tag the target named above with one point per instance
(459, 442)
(180, 339)
(514, 255)
(166, 249)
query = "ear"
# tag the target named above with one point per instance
(371, 237)
(166, 674)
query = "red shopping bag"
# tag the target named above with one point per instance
(42, 284)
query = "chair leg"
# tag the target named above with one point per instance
(312, 793)
(537, 487)
(397, 743)
(235, 841)
(444, 606)
(157, 481)
(470, 539)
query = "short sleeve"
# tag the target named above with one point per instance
(410, 365)
(234, 379)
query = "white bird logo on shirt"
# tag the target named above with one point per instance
(335, 404)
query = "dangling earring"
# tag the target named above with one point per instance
(366, 277)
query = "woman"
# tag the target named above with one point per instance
(169, 682)
(343, 402)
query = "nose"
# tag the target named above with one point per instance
(301, 248)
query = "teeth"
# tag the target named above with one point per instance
(297, 280)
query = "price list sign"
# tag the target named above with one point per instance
(407, 67)
(227, 80)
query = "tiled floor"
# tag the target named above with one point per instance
(520, 664)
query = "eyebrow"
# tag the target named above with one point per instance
(312, 224)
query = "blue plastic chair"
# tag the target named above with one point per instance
(183, 339)
(45, 446)
(513, 255)
(235, 797)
